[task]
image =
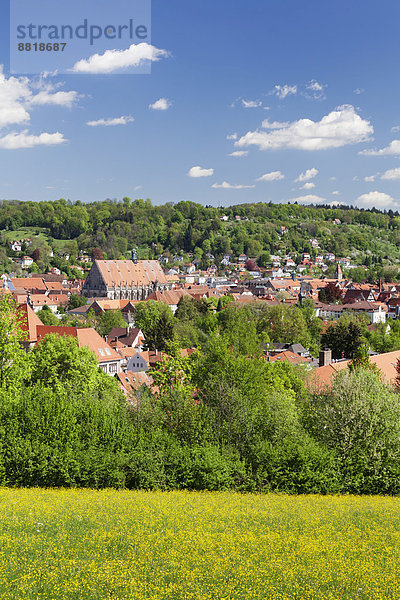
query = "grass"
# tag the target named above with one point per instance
(77, 544)
(31, 232)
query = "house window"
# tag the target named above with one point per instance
(113, 368)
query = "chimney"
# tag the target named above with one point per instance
(325, 357)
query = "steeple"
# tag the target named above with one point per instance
(339, 274)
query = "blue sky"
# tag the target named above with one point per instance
(308, 93)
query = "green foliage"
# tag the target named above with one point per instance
(109, 319)
(156, 321)
(12, 356)
(284, 324)
(115, 227)
(223, 418)
(59, 362)
(344, 337)
(359, 420)
(47, 316)
(75, 301)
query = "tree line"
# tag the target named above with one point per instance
(369, 236)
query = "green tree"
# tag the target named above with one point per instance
(359, 420)
(76, 301)
(58, 361)
(148, 313)
(109, 319)
(47, 317)
(344, 338)
(160, 335)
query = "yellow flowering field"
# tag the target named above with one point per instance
(85, 544)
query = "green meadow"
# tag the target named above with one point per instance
(85, 544)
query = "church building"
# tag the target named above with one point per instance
(125, 279)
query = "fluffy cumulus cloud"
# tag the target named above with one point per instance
(18, 97)
(124, 120)
(15, 94)
(118, 60)
(369, 178)
(232, 136)
(200, 172)
(272, 176)
(19, 94)
(391, 174)
(60, 98)
(309, 199)
(335, 193)
(239, 153)
(161, 104)
(14, 140)
(282, 91)
(308, 186)
(231, 186)
(339, 128)
(377, 199)
(393, 148)
(307, 175)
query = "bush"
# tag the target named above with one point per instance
(359, 419)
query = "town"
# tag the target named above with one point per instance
(54, 303)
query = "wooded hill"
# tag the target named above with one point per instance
(367, 236)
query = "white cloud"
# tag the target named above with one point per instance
(339, 128)
(200, 172)
(18, 96)
(282, 91)
(230, 186)
(60, 98)
(377, 199)
(272, 176)
(393, 148)
(395, 129)
(315, 90)
(251, 103)
(308, 186)
(307, 175)
(309, 199)
(332, 178)
(232, 136)
(117, 60)
(358, 91)
(14, 96)
(15, 140)
(391, 174)
(161, 104)
(266, 124)
(112, 121)
(336, 193)
(136, 188)
(369, 178)
(239, 153)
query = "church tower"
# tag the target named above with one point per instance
(339, 274)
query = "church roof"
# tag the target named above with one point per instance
(120, 273)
